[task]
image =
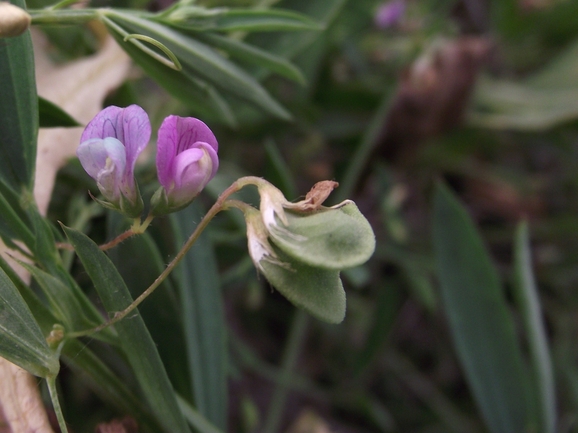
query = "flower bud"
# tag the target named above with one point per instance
(13, 20)
(186, 161)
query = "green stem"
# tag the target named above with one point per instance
(139, 227)
(51, 382)
(219, 205)
(62, 16)
(445, 409)
(290, 356)
(363, 151)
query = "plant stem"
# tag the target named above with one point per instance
(215, 209)
(117, 240)
(137, 228)
(62, 4)
(363, 151)
(51, 382)
(290, 356)
(62, 16)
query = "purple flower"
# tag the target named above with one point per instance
(109, 148)
(389, 13)
(186, 160)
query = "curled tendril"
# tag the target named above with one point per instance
(135, 38)
(172, 61)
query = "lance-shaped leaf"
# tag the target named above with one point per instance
(15, 223)
(199, 60)
(330, 238)
(192, 91)
(21, 340)
(249, 20)
(527, 296)
(479, 320)
(252, 54)
(135, 338)
(52, 116)
(63, 302)
(18, 110)
(197, 279)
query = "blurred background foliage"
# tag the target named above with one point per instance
(480, 93)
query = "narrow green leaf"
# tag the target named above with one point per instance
(110, 387)
(78, 356)
(43, 316)
(330, 238)
(291, 353)
(14, 224)
(289, 45)
(278, 171)
(249, 20)
(529, 302)
(52, 116)
(197, 94)
(197, 279)
(251, 54)
(62, 301)
(195, 419)
(139, 263)
(479, 320)
(201, 60)
(18, 110)
(21, 340)
(387, 307)
(66, 298)
(136, 341)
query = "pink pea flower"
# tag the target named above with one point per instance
(186, 161)
(110, 146)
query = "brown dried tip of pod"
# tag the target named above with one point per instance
(314, 198)
(13, 20)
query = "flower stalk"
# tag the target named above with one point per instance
(220, 204)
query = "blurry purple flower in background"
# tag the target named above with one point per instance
(389, 14)
(186, 159)
(110, 145)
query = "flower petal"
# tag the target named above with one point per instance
(167, 151)
(129, 125)
(193, 169)
(105, 161)
(176, 135)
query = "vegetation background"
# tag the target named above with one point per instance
(454, 127)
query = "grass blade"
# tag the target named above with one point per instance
(202, 311)
(527, 297)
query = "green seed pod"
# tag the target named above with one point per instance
(13, 20)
